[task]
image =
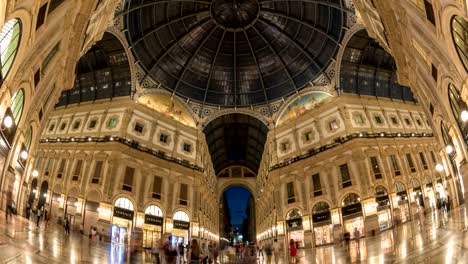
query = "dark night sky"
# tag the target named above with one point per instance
(237, 198)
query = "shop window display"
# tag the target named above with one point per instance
(122, 221)
(294, 227)
(322, 224)
(351, 211)
(152, 228)
(383, 208)
(401, 212)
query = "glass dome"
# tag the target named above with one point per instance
(234, 52)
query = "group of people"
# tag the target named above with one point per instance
(41, 215)
(165, 252)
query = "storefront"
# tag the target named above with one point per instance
(42, 200)
(152, 228)
(429, 193)
(384, 212)
(440, 188)
(417, 193)
(71, 209)
(351, 212)
(122, 221)
(322, 224)
(180, 228)
(31, 198)
(91, 216)
(401, 212)
(294, 227)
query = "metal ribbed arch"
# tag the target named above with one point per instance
(236, 139)
(103, 72)
(234, 66)
(360, 54)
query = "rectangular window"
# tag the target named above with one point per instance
(394, 120)
(317, 185)
(187, 147)
(139, 127)
(49, 165)
(183, 195)
(157, 187)
(423, 160)
(54, 4)
(433, 157)
(409, 159)
(429, 11)
(163, 138)
(37, 78)
(345, 177)
(284, 146)
(112, 123)
(359, 119)
(378, 120)
(434, 72)
(92, 124)
(395, 166)
(41, 16)
(61, 169)
(50, 56)
(77, 171)
(290, 192)
(128, 179)
(376, 168)
(307, 136)
(407, 121)
(97, 172)
(333, 125)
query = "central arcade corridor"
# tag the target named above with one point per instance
(439, 238)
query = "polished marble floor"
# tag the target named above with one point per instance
(436, 238)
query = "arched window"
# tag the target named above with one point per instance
(415, 184)
(124, 203)
(321, 207)
(294, 213)
(457, 105)
(153, 210)
(181, 216)
(350, 199)
(9, 43)
(17, 104)
(28, 138)
(447, 138)
(400, 188)
(460, 38)
(380, 191)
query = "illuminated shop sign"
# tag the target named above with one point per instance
(123, 213)
(351, 209)
(153, 220)
(321, 217)
(181, 225)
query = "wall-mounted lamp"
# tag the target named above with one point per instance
(449, 149)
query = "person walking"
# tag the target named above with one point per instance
(9, 205)
(215, 253)
(170, 253)
(268, 252)
(292, 251)
(195, 252)
(276, 250)
(181, 252)
(67, 226)
(260, 249)
(39, 214)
